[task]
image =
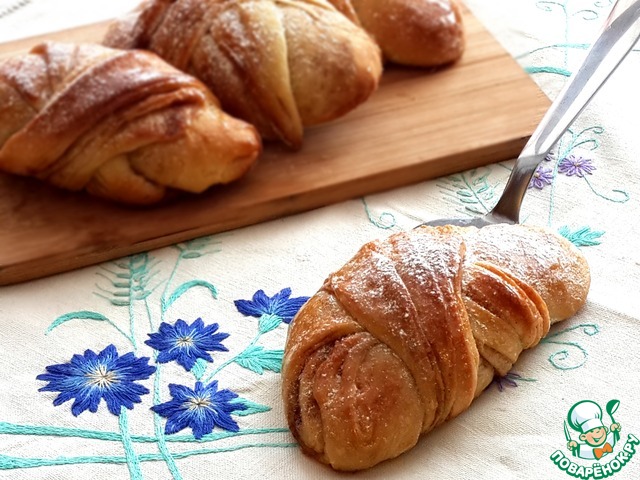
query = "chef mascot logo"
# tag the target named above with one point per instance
(596, 440)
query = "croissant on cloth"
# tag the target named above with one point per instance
(413, 328)
(422, 33)
(281, 65)
(123, 125)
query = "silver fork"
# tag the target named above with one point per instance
(617, 37)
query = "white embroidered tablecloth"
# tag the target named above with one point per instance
(235, 293)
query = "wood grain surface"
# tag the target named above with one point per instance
(417, 126)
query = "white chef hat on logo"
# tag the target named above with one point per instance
(585, 416)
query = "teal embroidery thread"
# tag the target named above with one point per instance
(132, 282)
(47, 431)
(582, 237)
(568, 144)
(86, 315)
(472, 189)
(189, 250)
(133, 462)
(8, 463)
(585, 13)
(555, 70)
(253, 357)
(385, 221)
(571, 141)
(159, 431)
(555, 46)
(186, 251)
(560, 358)
(625, 196)
(157, 420)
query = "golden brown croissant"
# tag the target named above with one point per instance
(423, 33)
(279, 64)
(123, 125)
(413, 328)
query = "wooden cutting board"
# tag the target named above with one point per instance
(418, 125)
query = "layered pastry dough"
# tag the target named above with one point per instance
(413, 328)
(123, 125)
(281, 65)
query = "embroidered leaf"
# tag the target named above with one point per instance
(199, 368)
(182, 289)
(130, 280)
(196, 248)
(257, 359)
(583, 237)
(82, 315)
(555, 70)
(251, 407)
(472, 189)
(268, 322)
(191, 255)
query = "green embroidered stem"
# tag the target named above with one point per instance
(558, 358)
(15, 429)
(157, 420)
(9, 463)
(152, 326)
(568, 143)
(624, 199)
(132, 320)
(163, 297)
(159, 431)
(578, 46)
(131, 458)
(233, 359)
(552, 195)
(562, 355)
(385, 221)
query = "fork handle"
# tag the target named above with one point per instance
(619, 34)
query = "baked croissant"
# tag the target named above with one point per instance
(422, 33)
(123, 125)
(413, 328)
(279, 64)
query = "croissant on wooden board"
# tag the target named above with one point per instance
(281, 65)
(422, 33)
(123, 125)
(414, 327)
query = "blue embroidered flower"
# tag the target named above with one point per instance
(543, 176)
(92, 377)
(202, 409)
(279, 305)
(186, 343)
(577, 166)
